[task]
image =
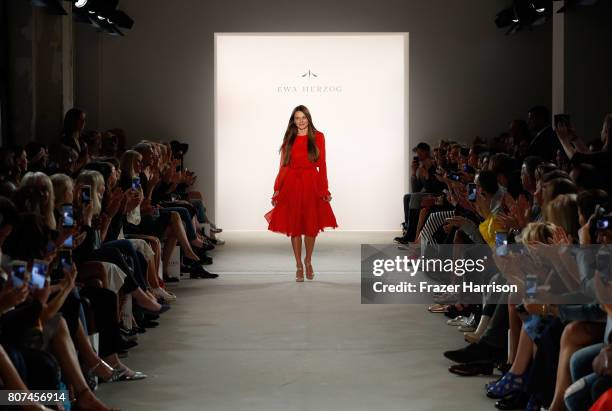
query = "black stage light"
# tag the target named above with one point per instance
(121, 19)
(524, 14)
(505, 18)
(79, 4)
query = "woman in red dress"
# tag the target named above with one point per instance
(301, 197)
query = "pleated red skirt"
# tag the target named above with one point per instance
(300, 209)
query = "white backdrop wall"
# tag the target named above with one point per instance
(466, 77)
(355, 87)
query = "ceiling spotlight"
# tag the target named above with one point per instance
(505, 17)
(80, 3)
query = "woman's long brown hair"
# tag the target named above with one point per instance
(291, 133)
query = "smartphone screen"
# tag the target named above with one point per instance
(531, 286)
(501, 243)
(65, 257)
(39, 274)
(68, 215)
(603, 223)
(136, 183)
(18, 273)
(68, 243)
(86, 194)
(471, 189)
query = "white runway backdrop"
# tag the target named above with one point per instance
(356, 87)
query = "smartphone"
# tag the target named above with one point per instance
(39, 273)
(69, 242)
(136, 183)
(68, 215)
(471, 190)
(65, 257)
(415, 158)
(562, 119)
(501, 243)
(19, 272)
(531, 286)
(86, 194)
(603, 223)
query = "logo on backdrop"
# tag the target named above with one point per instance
(309, 74)
(306, 85)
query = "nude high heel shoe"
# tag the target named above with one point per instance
(299, 274)
(309, 270)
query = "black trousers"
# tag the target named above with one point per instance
(104, 304)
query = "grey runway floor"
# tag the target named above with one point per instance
(254, 339)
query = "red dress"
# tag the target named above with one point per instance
(300, 208)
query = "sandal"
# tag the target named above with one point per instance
(299, 274)
(90, 375)
(508, 384)
(123, 373)
(438, 308)
(309, 270)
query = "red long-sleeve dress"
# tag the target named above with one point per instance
(301, 208)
